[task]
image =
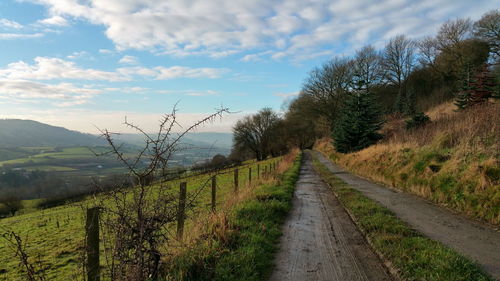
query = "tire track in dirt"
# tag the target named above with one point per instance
(320, 242)
(469, 238)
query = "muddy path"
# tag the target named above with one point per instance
(320, 242)
(469, 238)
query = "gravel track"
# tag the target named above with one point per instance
(320, 241)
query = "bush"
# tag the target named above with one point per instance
(417, 120)
(10, 204)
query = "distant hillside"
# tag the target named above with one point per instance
(222, 140)
(17, 133)
(198, 140)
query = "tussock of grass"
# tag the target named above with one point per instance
(452, 161)
(414, 256)
(252, 229)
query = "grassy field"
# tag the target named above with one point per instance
(67, 162)
(452, 161)
(55, 235)
(413, 256)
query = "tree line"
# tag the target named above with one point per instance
(348, 97)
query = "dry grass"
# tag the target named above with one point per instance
(453, 161)
(215, 226)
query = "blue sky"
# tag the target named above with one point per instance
(81, 64)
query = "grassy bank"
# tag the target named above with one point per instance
(452, 161)
(410, 254)
(241, 242)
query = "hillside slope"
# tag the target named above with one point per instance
(17, 133)
(452, 161)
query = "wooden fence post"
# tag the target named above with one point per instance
(214, 190)
(236, 180)
(92, 233)
(258, 171)
(181, 211)
(249, 174)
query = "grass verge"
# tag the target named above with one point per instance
(241, 244)
(411, 255)
(452, 161)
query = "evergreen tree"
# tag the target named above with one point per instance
(477, 89)
(463, 97)
(359, 123)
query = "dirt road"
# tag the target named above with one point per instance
(320, 242)
(471, 239)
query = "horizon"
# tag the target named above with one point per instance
(121, 133)
(87, 65)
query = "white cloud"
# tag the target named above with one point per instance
(55, 68)
(46, 68)
(105, 51)
(55, 20)
(288, 27)
(9, 36)
(129, 60)
(196, 93)
(62, 94)
(76, 55)
(287, 95)
(137, 70)
(10, 24)
(187, 72)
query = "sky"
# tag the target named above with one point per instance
(87, 64)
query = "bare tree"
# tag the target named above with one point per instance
(255, 132)
(399, 62)
(367, 67)
(453, 32)
(429, 50)
(328, 86)
(135, 220)
(488, 29)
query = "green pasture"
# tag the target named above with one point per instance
(54, 236)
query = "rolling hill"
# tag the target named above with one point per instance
(28, 133)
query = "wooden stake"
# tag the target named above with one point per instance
(92, 232)
(236, 180)
(250, 175)
(181, 211)
(214, 190)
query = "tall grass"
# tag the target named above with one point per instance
(453, 161)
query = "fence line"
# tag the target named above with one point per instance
(92, 223)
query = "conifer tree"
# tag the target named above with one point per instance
(359, 123)
(477, 89)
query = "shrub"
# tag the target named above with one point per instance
(10, 204)
(417, 120)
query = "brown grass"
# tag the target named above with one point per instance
(215, 226)
(453, 161)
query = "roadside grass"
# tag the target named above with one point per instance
(54, 236)
(412, 255)
(452, 161)
(241, 241)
